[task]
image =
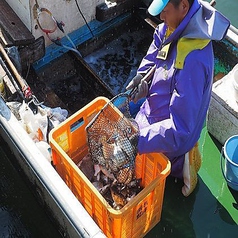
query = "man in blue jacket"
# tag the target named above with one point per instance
(177, 99)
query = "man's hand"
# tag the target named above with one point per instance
(138, 87)
(141, 92)
(134, 82)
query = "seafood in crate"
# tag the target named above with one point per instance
(117, 193)
(141, 213)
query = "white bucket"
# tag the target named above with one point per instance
(234, 75)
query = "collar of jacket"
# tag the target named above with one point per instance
(182, 26)
(187, 45)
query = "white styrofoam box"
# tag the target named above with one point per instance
(222, 121)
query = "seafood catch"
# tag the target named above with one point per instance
(116, 191)
(112, 140)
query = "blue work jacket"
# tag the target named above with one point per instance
(174, 112)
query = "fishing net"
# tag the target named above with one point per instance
(112, 138)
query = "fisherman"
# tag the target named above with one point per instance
(176, 101)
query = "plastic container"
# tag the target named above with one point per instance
(2, 87)
(230, 170)
(69, 145)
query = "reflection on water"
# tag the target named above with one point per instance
(20, 214)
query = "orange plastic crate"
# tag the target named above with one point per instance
(69, 145)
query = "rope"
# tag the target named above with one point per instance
(83, 17)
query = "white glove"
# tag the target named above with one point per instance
(139, 85)
(134, 82)
(141, 92)
(139, 88)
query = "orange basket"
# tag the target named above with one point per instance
(69, 146)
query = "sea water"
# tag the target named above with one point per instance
(20, 213)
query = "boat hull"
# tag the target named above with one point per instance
(55, 197)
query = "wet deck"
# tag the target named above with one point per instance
(109, 62)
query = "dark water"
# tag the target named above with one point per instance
(20, 214)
